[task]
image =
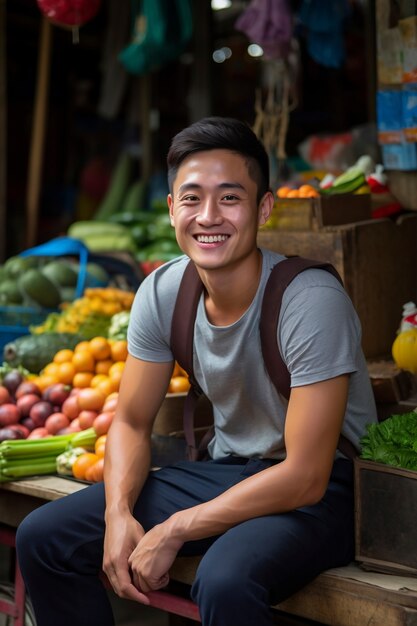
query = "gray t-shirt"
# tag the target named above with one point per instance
(318, 334)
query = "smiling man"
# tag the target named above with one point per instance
(272, 506)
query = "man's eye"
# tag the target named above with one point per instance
(230, 197)
(190, 198)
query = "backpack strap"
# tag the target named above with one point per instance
(281, 276)
(182, 342)
(182, 339)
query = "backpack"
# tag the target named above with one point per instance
(182, 340)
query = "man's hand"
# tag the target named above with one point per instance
(153, 557)
(121, 539)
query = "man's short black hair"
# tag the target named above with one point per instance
(221, 133)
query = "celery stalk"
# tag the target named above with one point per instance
(43, 446)
(47, 466)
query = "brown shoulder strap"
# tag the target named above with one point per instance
(182, 342)
(281, 276)
(182, 337)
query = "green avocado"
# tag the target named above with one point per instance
(39, 288)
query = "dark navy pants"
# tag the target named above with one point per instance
(256, 563)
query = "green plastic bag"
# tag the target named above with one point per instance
(161, 30)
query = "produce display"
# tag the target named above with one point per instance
(90, 315)
(392, 441)
(44, 282)
(69, 406)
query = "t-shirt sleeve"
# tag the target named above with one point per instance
(319, 332)
(149, 328)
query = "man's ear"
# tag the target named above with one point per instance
(171, 208)
(265, 208)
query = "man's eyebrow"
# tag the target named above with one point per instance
(226, 185)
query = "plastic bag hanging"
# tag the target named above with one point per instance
(269, 24)
(69, 13)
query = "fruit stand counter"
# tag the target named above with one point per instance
(346, 596)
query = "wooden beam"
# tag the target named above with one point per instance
(38, 134)
(3, 131)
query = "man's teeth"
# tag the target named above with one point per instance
(211, 238)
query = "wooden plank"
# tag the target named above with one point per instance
(334, 608)
(45, 487)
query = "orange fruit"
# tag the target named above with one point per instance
(97, 471)
(110, 403)
(102, 367)
(115, 378)
(98, 378)
(100, 445)
(100, 348)
(179, 384)
(118, 366)
(63, 356)
(293, 194)
(282, 192)
(86, 418)
(91, 399)
(119, 350)
(45, 381)
(103, 422)
(82, 463)
(51, 369)
(66, 372)
(83, 345)
(82, 379)
(83, 361)
(107, 386)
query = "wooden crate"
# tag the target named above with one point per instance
(377, 260)
(314, 213)
(386, 514)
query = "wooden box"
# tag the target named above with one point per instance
(377, 260)
(169, 419)
(385, 518)
(314, 213)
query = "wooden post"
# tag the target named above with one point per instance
(145, 87)
(3, 130)
(38, 134)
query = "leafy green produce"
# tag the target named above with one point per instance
(392, 441)
(33, 352)
(118, 325)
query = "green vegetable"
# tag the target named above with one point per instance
(32, 467)
(118, 325)
(85, 438)
(39, 288)
(33, 352)
(30, 457)
(118, 186)
(66, 460)
(392, 441)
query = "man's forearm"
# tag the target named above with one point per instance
(274, 490)
(128, 456)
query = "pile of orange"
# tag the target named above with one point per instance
(90, 465)
(304, 191)
(96, 363)
(179, 382)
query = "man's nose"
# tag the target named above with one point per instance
(209, 212)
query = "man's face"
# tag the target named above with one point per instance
(214, 209)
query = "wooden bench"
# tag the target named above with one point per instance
(346, 596)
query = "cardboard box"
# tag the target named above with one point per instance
(314, 213)
(386, 514)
